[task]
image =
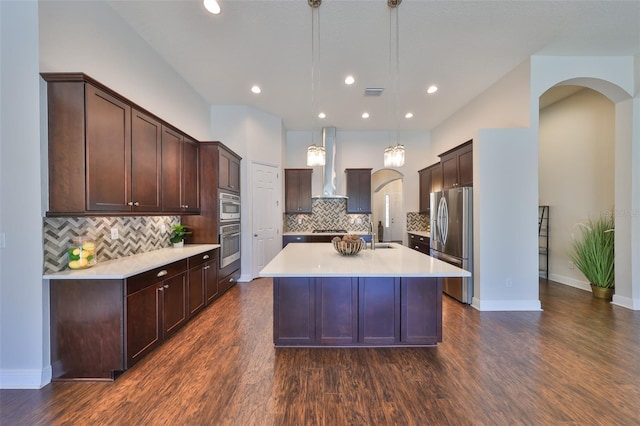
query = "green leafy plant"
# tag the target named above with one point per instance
(178, 233)
(593, 254)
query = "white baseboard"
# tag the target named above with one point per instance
(626, 302)
(25, 379)
(245, 278)
(506, 305)
(571, 282)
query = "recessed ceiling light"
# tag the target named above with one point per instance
(365, 115)
(408, 115)
(349, 80)
(432, 89)
(322, 115)
(212, 6)
(256, 89)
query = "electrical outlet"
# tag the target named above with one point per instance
(163, 228)
(114, 234)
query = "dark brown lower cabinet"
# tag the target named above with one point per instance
(294, 311)
(337, 307)
(357, 311)
(379, 310)
(100, 328)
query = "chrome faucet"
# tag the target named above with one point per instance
(372, 235)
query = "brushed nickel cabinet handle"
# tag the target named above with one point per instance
(162, 273)
(166, 286)
(130, 203)
(205, 257)
(136, 203)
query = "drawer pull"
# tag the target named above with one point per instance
(421, 239)
(230, 280)
(206, 267)
(162, 273)
(416, 247)
(298, 238)
(205, 257)
(166, 286)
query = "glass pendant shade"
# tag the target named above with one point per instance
(315, 156)
(394, 156)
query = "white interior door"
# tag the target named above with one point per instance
(393, 196)
(266, 216)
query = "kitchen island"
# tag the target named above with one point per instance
(383, 297)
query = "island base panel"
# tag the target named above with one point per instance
(357, 311)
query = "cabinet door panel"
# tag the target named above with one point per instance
(211, 281)
(190, 181)
(108, 151)
(144, 331)
(465, 166)
(337, 308)
(379, 316)
(196, 289)
(425, 189)
(436, 179)
(171, 170)
(146, 162)
(449, 171)
(293, 311)
(174, 303)
(421, 311)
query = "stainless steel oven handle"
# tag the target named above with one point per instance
(235, 234)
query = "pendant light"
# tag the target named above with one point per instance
(315, 154)
(394, 154)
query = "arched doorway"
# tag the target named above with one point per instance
(582, 170)
(387, 204)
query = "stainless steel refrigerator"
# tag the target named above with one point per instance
(452, 237)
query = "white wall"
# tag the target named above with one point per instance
(24, 348)
(90, 37)
(505, 244)
(505, 162)
(257, 137)
(577, 179)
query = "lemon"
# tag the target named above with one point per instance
(76, 252)
(74, 264)
(85, 254)
(89, 246)
(83, 263)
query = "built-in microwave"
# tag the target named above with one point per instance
(229, 207)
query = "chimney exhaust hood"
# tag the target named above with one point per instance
(329, 169)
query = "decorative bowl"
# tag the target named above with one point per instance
(349, 247)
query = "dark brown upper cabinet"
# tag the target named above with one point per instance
(229, 171)
(358, 190)
(105, 152)
(457, 166)
(297, 190)
(430, 181)
(180, 189)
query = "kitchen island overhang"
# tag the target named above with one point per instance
(385, 297)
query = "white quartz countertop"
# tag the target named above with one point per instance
(126, 267)
(321, 260)
(421, 233)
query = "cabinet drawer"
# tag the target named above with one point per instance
(145, 279)
(201, 258)
(419, 243)
(229, 281)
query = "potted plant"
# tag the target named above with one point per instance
(178, 234)
(593, 255)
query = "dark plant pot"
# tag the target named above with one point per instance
(602, 292)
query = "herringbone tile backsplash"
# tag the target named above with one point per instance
(417, 221)
(327, 213)
(138, 234)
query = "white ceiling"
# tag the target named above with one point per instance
(462, 46)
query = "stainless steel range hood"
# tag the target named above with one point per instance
(329, 170)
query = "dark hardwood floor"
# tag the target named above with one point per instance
(575, 363)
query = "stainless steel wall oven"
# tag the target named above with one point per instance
(229, 208)
(229, 237)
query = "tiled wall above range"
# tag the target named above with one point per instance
(137, 234)
(327, 213)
